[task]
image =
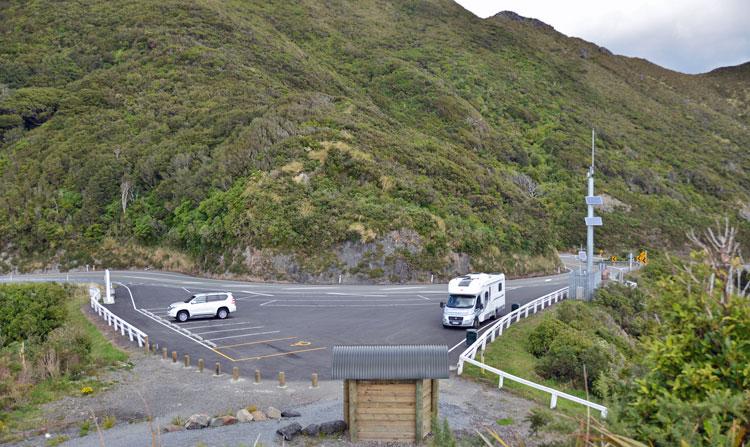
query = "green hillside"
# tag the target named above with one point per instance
(379, 139)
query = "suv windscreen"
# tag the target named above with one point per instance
(460, 301)
(189, 299)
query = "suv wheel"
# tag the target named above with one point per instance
(222, 313)
(182, 316)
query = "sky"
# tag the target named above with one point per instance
(691, 36)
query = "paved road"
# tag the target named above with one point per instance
(288, 327)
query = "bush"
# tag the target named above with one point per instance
(625, 305)
(567, 355)
(30, 310)
(543, 335)
(71, 347)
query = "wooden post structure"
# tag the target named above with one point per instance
(346, 401)
(187, 361)
(282, 379)
(434, 397)
(217, 369)
(201, 363)
(145, 344)
(419, 415)
(163, 353)
(235, 374)
(353, 410)
(314, 380)
(257, 377)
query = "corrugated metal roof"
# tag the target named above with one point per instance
(375, 362)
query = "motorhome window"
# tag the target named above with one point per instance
(500, 287)
(486, 295)
(460, 301)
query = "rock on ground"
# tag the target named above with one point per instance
(223, 420)
(197, 421)
(311, 430)
(290, 414)
(290, 431)
(273, 413)
(259, 416)
(333, 427)
(244, 416)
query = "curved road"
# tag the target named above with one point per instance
(288, 327)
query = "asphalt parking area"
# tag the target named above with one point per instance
(292, 328)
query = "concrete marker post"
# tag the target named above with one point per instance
(187, 361)
(201, 364)
(174, 356)
(257, 377)
(235, 374)
(282, 379)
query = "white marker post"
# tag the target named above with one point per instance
(108, 298)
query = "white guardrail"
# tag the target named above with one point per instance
(469, 355)
(123, 326)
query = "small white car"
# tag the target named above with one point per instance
(218, 304)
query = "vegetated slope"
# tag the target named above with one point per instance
(382, 140)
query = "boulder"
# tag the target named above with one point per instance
(223, 420)
(173, 428)
(197, 421)
(273, 413)
(290, 414)
(311, 430)
(290, 431)
(333, 427)
(244, 416)
(259, 415)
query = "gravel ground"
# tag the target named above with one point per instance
(165, 390)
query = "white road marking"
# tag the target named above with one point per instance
(423, 297)
(356, 294)
(269, 302)
(211, 325)
(403, 288)
(309, 288)
(464, 340)
(245, 335)
(547, 280)
(351, 305)
(186, 290)
(255, 293)
(228, 330)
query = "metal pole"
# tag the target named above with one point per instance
(590, 228)
(108, 286)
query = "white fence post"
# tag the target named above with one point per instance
(553, 401)
(500, 382)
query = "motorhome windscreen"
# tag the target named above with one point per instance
(461, 301)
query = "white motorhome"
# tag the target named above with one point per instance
(473, 299)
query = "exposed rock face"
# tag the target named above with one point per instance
(611, 204)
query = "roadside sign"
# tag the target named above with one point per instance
(642, 257)
(594, 221)
(582, 255)
(613, 258)
(594, 200)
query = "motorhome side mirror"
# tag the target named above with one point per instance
(480, 306)
(442, 304)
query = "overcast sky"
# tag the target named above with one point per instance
(691, 36)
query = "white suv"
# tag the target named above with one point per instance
(219, 304)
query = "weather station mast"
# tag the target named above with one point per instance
(591, 222)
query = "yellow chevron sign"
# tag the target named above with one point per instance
(642, 257)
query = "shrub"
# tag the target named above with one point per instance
(543, 335)
(30, 310)
(567, 355)
(626, 305)
(71, 346)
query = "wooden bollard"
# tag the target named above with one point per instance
(187, 361)
(145, 344)
(163, 353)
(174, 356)
(217, 369)
(282, 379)
(200, 365)
(315, 380)
(257, 376)
(235, 374)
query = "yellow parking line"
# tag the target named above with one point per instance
(223, 355)
(278, 354)
(256, 342)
